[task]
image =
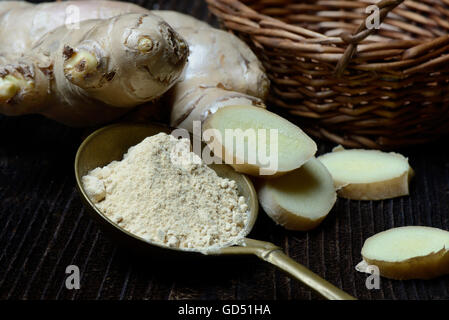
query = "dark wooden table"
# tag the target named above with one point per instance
(44, 228)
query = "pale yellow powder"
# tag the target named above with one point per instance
(164, 193)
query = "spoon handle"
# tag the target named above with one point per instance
(312, 280)
(274, 255)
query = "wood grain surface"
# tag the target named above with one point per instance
(44, 228)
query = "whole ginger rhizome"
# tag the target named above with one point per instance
(164, 193)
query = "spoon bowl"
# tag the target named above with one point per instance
(111, 143)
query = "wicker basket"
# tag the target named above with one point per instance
(346, 82)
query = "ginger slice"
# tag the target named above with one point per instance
(256, 141)
(301, 199)
(368, 174)
(412, 252)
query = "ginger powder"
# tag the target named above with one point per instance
(164, 193)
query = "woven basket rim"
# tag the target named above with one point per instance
(254, 21)
(394, 77)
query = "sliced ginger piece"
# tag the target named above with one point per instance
(368, 174)
(412, 252)
(227, 131)
(301, 199)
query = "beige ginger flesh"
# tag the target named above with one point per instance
(368, 174)
(301, 199)
(256, 141)
(412, 252)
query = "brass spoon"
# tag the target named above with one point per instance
(111, 142)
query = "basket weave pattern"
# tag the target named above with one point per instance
(357, 86)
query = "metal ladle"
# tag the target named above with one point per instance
(111, 142)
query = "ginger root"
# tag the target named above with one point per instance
(221, 69)
(86, 75)
(77, 69)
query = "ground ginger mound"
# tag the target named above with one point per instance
(163, 193)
